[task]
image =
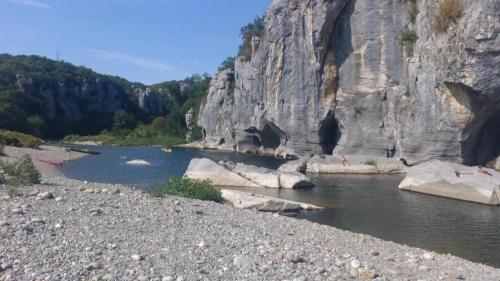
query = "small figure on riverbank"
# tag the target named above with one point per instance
(344, 160)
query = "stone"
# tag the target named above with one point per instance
(59, 199)
(138, 162)
(246, 200)
(17, 211)
(454, 181)
(364, 273)
(137, 257)
(37, 221)
(45, 196)
(428, 256)
(92, 266)
(261, 176)
(357, 164)
(355, 264)
(294, 257)
(206, 169)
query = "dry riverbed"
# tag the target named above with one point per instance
(70, 230)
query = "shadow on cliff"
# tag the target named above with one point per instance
(329, 133)
(342, 35)
(486, 146)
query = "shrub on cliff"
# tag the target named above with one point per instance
(449, 11)
(253, 29)
(22, 172)
(188, 188)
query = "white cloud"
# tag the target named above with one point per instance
(32, 3)
(135, 61)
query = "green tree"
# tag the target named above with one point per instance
(123, 121)
(160, 125)
(228, 63)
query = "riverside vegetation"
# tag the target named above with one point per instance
(17, 174)
(53, 99)
(188, 188)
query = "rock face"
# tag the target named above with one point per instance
(245, 200)
(454, 181)
(150, 101)
(340, 76)
(242, 175)
(189, 125)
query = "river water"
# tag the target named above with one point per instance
(371, 205)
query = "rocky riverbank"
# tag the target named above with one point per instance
(71, 230)
(65, 229)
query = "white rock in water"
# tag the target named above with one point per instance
(138, 162)
(454, 181)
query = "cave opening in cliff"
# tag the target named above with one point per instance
(488, 145)
(271, 136)
(329, 133)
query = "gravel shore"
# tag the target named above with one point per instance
(71, 230)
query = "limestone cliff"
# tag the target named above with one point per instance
(373, 77)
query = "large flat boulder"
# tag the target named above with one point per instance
(243, 175)
(206, 169)
(246, 200)
(357, 164)
(261, 176)
(454, 181)
(273, 179)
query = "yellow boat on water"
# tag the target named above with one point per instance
(167, 150)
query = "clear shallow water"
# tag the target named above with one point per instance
(366, 204)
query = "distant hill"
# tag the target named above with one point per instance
(51, 99)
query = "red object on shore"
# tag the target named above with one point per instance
(48, 161)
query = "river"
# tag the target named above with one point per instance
(371, 205)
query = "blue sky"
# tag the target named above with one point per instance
(147, 41)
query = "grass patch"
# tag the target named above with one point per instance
(188, 188)
(371, 163)
(21, 173)
(19, 139)
(449, 11)
(14, 192)
(128, 139)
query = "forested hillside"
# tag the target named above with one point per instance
(52, 99)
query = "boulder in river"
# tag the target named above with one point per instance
(453, 180)
(138, 162)
(353, 164)
(206, 169)
(242, 175)
(246, 200)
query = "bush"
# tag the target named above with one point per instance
(19, 139)
(227, 64)
(254, 29)
(2, 147)
(449, 11)
(371, 163)
(408, 35)
(23, 172)
(188, 188)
